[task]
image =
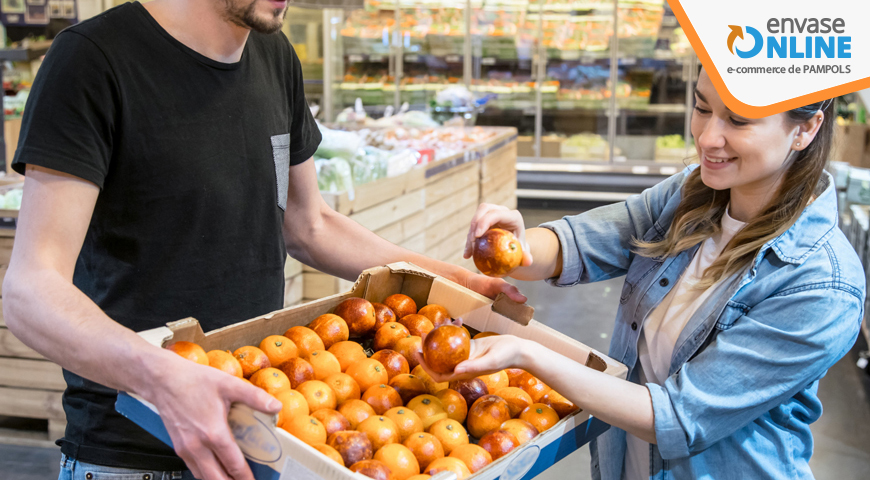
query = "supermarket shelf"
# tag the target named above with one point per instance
(559, 165)
(25, 54)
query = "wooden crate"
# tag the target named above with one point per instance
(428, 210)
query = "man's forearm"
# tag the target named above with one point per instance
(339, 246)
(50, 315)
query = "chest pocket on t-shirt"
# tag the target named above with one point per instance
(281, 155)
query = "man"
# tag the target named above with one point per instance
(165, 148)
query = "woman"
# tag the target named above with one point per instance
(740, 293)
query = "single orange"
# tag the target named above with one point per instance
(306, 340)
(428, 408)
(448, 464)
(331, 420)
(454, 404)
(407, 421)
(499, 443)
(374, 469)
(344, 386)
(330, 453)
(225, 362)
(251, 359)
(470, 389)
(306, 428)
(352, 446)
(495, 381)
(436, 314)
(368, 373)
(293, 405)
(560, 404)
(330, 328)
(318, 395)
(431, 385)
(487, 414)
(394, 362)
(517, 399)
(523, 430)
(190, 351)
(382, 398)
(380, 430)
(401, 304)
(425, 447)
(473, 456)
(450, 433)
(383, 314)
(388, 335)
(400, 459)
(356, 411)
(417, 324)
(484, 335)
(271, 380)
(347, 353)
(279, 349)
(534, 387)
(422, 476)
(359, 314)
(540, 416)
(408, 386)
(324, 364)
(298, 370)
(409, 347)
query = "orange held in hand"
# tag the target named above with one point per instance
(446, 347)
(497, 253)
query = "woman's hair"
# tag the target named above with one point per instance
(700, 212)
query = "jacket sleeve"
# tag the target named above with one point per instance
(767, 356)
(596, 244)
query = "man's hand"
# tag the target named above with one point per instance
(194, 401)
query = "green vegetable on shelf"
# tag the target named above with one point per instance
(671, 141)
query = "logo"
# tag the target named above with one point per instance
(255, 438)
(521, 465)
(756, 38)
(795, 38)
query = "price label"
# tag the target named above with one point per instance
(487, 61)
(628, 61)
(355, 58)
(453, 59)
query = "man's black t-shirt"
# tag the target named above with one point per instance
(192, 157)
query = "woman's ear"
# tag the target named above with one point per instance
(807, 131)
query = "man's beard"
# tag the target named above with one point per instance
(245, 16)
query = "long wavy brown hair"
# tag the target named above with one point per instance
(699, 215)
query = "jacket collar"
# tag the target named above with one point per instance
(811, 230)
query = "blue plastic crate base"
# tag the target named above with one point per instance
(276, 455)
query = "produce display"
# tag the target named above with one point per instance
(348, 158)
(351, 388)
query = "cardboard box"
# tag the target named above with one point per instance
(276, 455)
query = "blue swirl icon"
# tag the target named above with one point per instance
(756, 48)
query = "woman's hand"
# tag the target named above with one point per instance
(487, 355)
(488, 216)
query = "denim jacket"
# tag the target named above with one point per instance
(742, 387)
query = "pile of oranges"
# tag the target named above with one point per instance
(375, 410)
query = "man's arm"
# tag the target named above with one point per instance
(47, 312)
(333, 243)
